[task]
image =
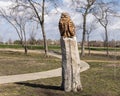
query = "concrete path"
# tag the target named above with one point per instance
(84, 65)
(30, 76)
(38, 75)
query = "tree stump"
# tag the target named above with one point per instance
(70, 65)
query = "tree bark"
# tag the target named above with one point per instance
(45, 40)
(42, 26)
(70, 65)
(26, 50)
(41, 21)
(83, 37)
(88, 41)
(106, 41)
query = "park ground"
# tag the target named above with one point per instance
(102, 79)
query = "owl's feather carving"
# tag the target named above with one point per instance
(66, 26)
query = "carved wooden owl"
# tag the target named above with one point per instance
(66, 26)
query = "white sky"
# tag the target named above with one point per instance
(5, 3)
(51, 25)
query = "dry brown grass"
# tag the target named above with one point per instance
(12, 62)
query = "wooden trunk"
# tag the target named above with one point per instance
(70, 65)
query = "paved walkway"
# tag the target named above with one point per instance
(38, 75)
(30, 76)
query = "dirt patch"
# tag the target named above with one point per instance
(113, 65)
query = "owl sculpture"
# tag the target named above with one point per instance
(66, 26)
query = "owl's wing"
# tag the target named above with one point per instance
(71, 28)
(60, 27)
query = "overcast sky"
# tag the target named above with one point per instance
(51, 25)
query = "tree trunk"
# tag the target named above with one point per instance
(25, 47)
(83, 37)
(88, 44)
(41, 21)
(70, 65)
(43, 31)
(26, 50)
(45, 41)
(106, 42)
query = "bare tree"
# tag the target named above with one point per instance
(39, 10)
(17, 18)
(38, 14)
(32, 39)
(41, 19)
(90, 28)
(85, 7)
(102, 14)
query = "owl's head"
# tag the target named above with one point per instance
(65, 15)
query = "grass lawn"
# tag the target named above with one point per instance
(103, 48)
(32, 47)
(12, 63)
(102, 79)
(56, 47)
